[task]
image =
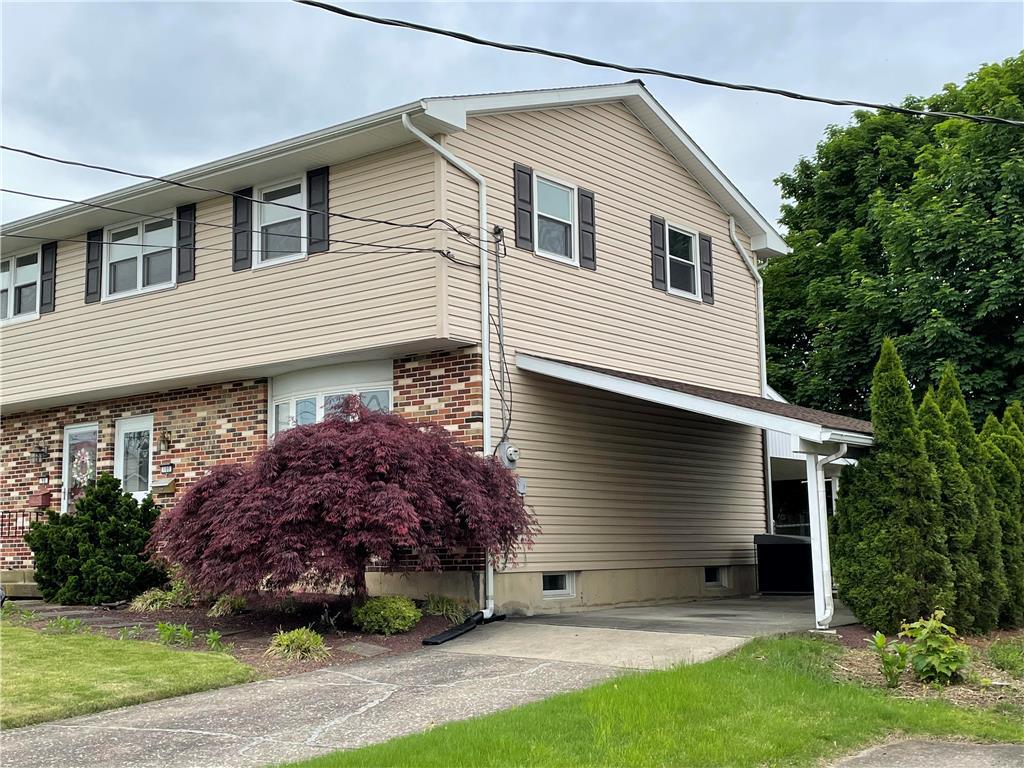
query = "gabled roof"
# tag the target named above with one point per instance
(751, 410)
(383, 130)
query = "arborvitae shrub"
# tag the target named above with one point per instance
(1007, 483)
(958, 512)
(988, 541)
(889, 557)
(97, 554)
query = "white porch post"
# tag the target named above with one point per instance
(821, 561)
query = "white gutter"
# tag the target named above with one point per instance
(485, 331)
(760, 301)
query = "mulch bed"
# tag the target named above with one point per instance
(250, 632)
(984, 686)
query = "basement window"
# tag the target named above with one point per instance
(713, 576)
(562, 584)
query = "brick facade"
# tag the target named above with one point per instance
(445, 388)
(204, 425)
(208, 425)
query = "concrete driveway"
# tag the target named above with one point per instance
(494, 667)
(743, 617)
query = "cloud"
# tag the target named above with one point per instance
(157, 87)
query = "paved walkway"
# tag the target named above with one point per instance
(937, 754)
(494, 667)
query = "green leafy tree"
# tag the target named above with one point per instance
(910, 228)
(958, 511)
(97, 554)
(889, 555)
(988, 541)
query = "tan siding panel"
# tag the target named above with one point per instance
(331, 303)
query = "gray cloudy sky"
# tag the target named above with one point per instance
(157, 87)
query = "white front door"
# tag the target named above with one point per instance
(133, 444)
(79, 465)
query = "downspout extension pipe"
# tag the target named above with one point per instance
(826, 554)
(485, 311)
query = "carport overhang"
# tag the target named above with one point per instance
(819, 436)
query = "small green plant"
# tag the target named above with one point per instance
(301, 643)
(130, 633)
(329, 621)
(892, 657)
(288, 606)
(449, 608)
(215, 643)
(936, 656)
(178, 595)
(15, 615)
(1008, 655)
(175, 634)
(226, 605)
(387, 615)
(65, 626)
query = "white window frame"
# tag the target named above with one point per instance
(141, 223)
(574, 223)
(132, 424)
(320, 396)
(13, 259)
(690, 231)
(559, 594)
(67, 459)
(258, 218)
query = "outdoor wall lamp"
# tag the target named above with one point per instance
(39, 454)
(165, 441)
(167, 468)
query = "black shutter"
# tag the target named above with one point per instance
(524, 206)
(94, 266)
(47, 278)
(588, 233)
(658, 253)
(317, 226)
(241, 240)
(186, 243)
(707, 276)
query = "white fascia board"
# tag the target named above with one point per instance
(800, 430)
(764, 239)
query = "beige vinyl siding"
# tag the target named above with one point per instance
(618, 483)
(611, 317)
(330, 303)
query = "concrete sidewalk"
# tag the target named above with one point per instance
(919, 753)
(494, 667)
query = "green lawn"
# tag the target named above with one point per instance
(47, 677)
(770, 703)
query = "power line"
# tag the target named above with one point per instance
(587, 61)
(197, 222)
(214, 190)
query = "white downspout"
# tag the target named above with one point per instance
(485, 310)
(762, 363)
(760, 302)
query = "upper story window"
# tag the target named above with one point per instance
(280, 231)
(555, 219)
(139, 257)
(682, 262)
(19, 287)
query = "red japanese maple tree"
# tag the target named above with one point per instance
(324, 500)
